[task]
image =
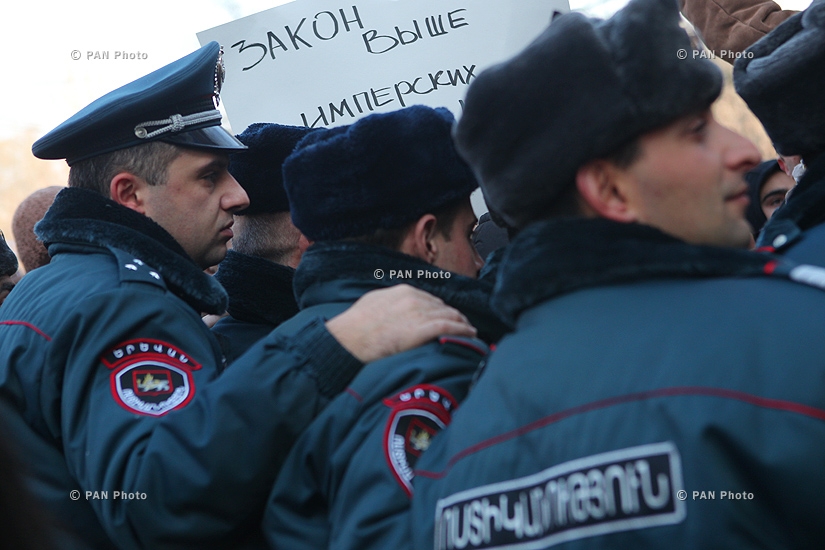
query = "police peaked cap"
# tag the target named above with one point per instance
(782, 79)
(382, 172)
(584, 88)
(258, 169)
(175, 104)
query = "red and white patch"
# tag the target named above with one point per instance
(150, 377)
(417, 415)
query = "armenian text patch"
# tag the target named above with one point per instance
(622, 490)
(418, 414)
(150, 377)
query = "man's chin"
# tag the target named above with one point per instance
(213, 259)
(742, 237)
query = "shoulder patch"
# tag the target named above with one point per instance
(150, 377)
(418, 414)
(133, 269)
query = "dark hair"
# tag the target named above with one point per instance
(566, 204)
(626, 154)
(149, 161)
(392, 238)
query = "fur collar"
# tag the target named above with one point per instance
(344, 271)
(805, 208)
(259, 291)
(555, 257)
(83, 217)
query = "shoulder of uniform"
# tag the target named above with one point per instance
(133, 269)
(779, 235)
(459, 345)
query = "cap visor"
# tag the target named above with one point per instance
(212, 137)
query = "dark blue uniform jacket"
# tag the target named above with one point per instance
(347, 482)
(654, 394)
(113, 389)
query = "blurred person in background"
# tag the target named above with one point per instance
(257, 272)
(33, 253)
(768, 185)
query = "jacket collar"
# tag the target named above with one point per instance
(83, 217)
(259, 291)
(344, 271)
(551, 258)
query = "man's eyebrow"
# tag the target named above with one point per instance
(773, 193)
(6, 286)
(217, 164)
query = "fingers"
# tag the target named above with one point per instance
(437, 319)
(388, 321)
(211, 319)
(441, 327)
(401, 296)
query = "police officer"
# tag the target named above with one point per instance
(133, 439)
(781, 79)
(643, 378)
(266, 248)
(387, 201)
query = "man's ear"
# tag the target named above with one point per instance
(420, 239)
(304, 243)
(300, 247)
(127, 190)
(602, 187)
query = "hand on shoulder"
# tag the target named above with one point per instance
(391, 320)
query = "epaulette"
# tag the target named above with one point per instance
(132, 269)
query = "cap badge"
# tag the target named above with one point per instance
(220, 75)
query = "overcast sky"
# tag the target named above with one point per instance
(43, 85)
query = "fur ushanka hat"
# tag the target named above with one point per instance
(581, 90)
(381, 172)
(782, 79)
(258, 169)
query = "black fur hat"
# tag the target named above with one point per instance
(382, 172)
(782, 78)
(8, 261)
(581, 90)
(258, 169)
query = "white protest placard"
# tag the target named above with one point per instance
(329, 62)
